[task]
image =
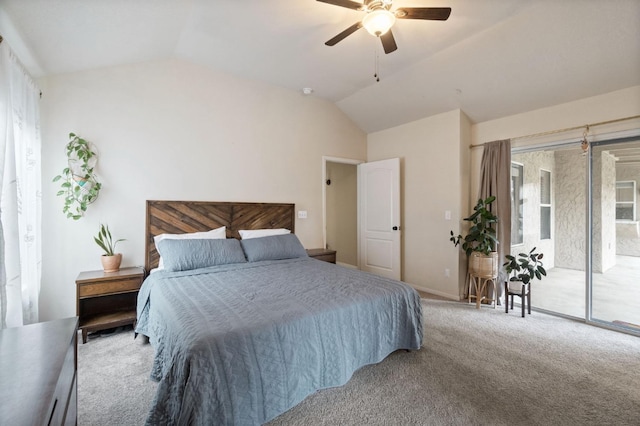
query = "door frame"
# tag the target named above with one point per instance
(325, 160)
(603, 140)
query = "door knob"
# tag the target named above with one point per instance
(395, 228)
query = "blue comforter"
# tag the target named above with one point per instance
(240, 344)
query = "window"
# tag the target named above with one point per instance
(626, 201)
(545, 204)
(517, 203)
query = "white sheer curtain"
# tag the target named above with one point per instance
(20, 198)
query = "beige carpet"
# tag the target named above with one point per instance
(477, 367)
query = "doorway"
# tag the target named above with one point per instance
(341, 209)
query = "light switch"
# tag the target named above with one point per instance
(302, 214)
(447, 215)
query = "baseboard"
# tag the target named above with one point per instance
(347, 265)
(437, 293)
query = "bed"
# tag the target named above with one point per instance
(242, 336)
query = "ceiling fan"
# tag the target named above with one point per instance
(379, 19)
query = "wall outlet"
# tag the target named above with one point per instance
(302, 214)
(447, 273)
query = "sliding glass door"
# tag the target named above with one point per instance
(582, 210)
(615, 234)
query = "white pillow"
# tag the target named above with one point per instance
(214, 234)
(247, 234)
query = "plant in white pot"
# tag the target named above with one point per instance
(480, 242)
(525, 268)
(110, 259)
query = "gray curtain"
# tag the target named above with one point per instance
(495, 179)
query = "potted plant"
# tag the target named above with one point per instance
(110, 259)
(79, 185)
(480, 242)
(525, 267)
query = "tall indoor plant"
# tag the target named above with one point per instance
(480, 242)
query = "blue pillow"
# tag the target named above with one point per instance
(275, 247)
(184, 255)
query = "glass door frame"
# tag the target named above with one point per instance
(604, 140)
(594, 141)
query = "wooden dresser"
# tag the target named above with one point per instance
(38, 364)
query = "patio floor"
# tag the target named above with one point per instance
(616, 293)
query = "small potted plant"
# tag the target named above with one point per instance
(525, 267)
(480, 242)
(110, 259)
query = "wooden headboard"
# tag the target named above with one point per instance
(180, 217)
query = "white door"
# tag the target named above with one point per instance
(379, 211)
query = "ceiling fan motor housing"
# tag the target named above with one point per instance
(371, 5)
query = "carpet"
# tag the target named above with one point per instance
(477, 367)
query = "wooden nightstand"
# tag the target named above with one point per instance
(323, 254)
(107, 299)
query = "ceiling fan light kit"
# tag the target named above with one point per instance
(379, 19)
(378, 22)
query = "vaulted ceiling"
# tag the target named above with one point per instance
(491, 58)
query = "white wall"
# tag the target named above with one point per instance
(174, 130)
(596, 109)
(430, 152)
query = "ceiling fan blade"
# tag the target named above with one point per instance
(388, 42)
(430, 13)
(344, 3)
(352, 29)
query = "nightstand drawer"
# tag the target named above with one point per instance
(109, 287)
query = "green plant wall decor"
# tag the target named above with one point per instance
(79, 185)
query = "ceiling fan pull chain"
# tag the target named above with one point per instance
(376, 73)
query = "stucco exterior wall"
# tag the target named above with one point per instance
(604, 211)
(533, 162)
(566, 248)
(570, 209)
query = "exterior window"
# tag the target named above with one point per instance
(517, 204)
(626, 201)
(545, 205)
